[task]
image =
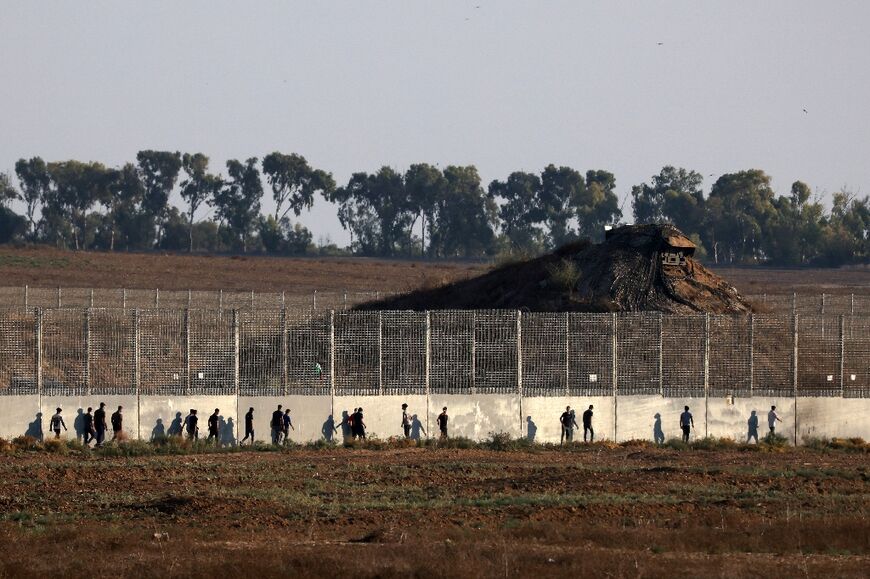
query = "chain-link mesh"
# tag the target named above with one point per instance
(261, 366)
(773, 356)
(358, 343)
(818, 356)
(404, 352)
(545, 354)
(64, 352)
(111, 360)
(731, 346)
(212, 352)
(682, 360)
(308, 352)
(13, 296)
(637, 352)
(495, 352)
(590, 354)
(856, 357)
(452, 352)
(162, 345)
(18, 351)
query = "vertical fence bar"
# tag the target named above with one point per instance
(520, 366)
(189, 299)
(380, 353)
(26, 292)
(345, 299)
(567, 355)
(851, 304)
(751, 354)
(58, 297)
(285, 353)
(614, 369)
(187, 352)
(92, 297)
(661, 356)
(87, 375)
(473, 353)
(38, 330)
(706, 371)
(842, 354)
(156, 297)
(823, 307)
(252, 299)
(427, 360)
(283, 301)
(236, 356)
(220, 300)
(137, 373)
(124, 299)
(332, 355)
(314, 300)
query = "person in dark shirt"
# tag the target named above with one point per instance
(57, 422)
(214, 426)
(567, 422)
(406, 421)
(442, 422)
(686, 423)
(117, 420)
(359, 426)
(277, 425)
(286, 426)
(249, 426)
(587, 425)
(100, 424)
(190, 425)
(88, 426)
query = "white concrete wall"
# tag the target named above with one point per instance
(170, 411)
(71, 406)
(635, 416)
(727, 418)
(20, 415)
(833, 417)
(541, 417)
(311, 415)
(477, 416)
(383, 414)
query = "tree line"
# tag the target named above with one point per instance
(424, 212)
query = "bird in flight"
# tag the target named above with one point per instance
(805, 112)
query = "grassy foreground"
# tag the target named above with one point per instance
(389, 509)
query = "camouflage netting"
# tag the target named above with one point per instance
(637, 268)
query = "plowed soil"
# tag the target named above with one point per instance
(595, 511)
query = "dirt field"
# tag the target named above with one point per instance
(47, 267)
(595, 511)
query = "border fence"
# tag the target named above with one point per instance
(274, 352)
(847, 304)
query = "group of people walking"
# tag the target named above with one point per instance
(568, 420)
(94, 426)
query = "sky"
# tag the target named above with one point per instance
(353, 85)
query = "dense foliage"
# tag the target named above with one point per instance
(424, 212)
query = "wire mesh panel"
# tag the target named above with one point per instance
(818, 356)
(451, 338)
(41, 297)
(805, 304)
(108, 298)
(357, 353)
(682, 351)
(18, 351)
(329, 301)
(860, 305)
(856, 357)
(260, 353)
(773, 355)
(637, 353)
(212, 352)
(162, 356)
(236, 300)
(308, 352)
(545, 354)
(267, 300)
(837, 304)
(205, 300)
(111, 351)
(590, 354)
(495, 351)
(174, 300)
(142, 298)
(403, 338)
(12, 296)
(299, 301)
(730, 355)
(64, 352)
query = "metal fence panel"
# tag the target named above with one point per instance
(308, 352)
(637, 353)
(64, 347)
(18, 351)
(162, 351)
(495, 352)
(452, 352)
(773, 356)
(590, 354)
(682, 351)
(212, 352)
(818, 356)
(403, 337)
(357, 353)
(731, 344)
(111, 359)
(545, 354)
(260, 353)
(856, 357)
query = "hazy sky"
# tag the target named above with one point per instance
(504, 86)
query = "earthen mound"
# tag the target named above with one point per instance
(636, 268)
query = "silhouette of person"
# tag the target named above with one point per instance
(34, 429)
(328, 429)
(531, 429)
(175, 427)
(228, 431)
(159, 430)
(753, 428)
(416, 428)
(79, 424)
(345, 424)
(658, 433)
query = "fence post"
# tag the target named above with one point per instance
(136, 373)
(851, 304)
(285, 353)
(252, 299)
(823, 307)
(706, 371)
(567, 355)
(38, 331)
(156, 297)
(345, 299)
(58, 296)
(427, 360)
(26, 291)
(520, 364)
(92, 297)
(220, 300)
(842, 355)
(88, 350)
(187, 351)
(314, 300)
(236, 352)
(795, 373)
(661, 356)
(751, 354)
(189, 298)
(614, 369)
(332, 356)
(380, 353)
(283, 301)
(124, 299)
(473, 353)
(794, 303)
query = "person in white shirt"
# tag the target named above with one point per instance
(772, 418)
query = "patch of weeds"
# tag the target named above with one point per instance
(26, 443)
(56, 446)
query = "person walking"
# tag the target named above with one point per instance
(286, 426)
(658, 433)
(687, 423)
(88, 426)
(359, 424)
(566, 421)
(406, 421)
(772, 418)
(117, 420)
(587, 425)
(753, 428)
(57, 422)
(100, 424)
(190, 425)
(214, 431)
(249, 426)
(277, 424)
(442, 423)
